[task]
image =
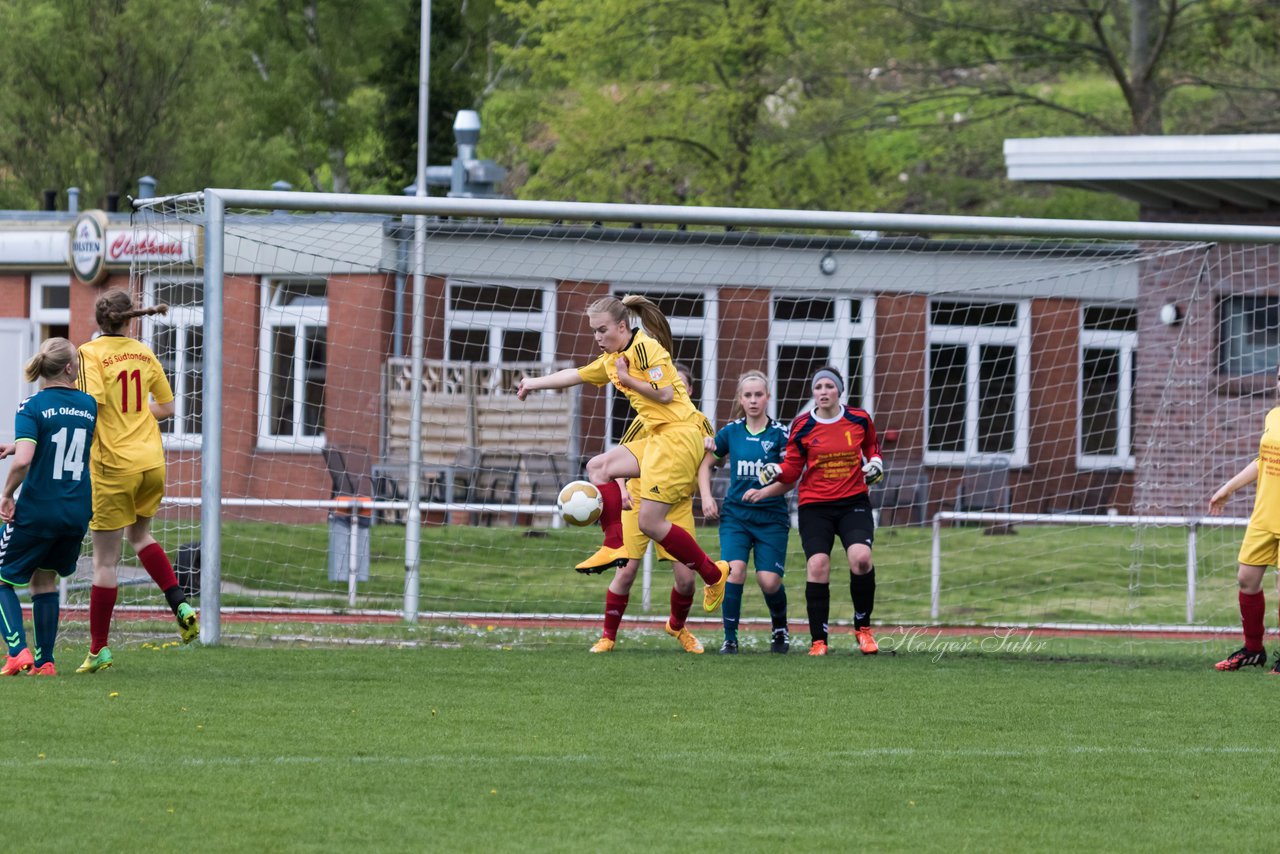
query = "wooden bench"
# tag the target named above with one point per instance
(481, 445)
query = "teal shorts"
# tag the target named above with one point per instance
(23, 552)
(767, 540)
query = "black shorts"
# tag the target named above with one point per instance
(848, 517)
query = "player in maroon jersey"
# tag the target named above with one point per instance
(832, 451)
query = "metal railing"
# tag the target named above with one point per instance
(1191, 523)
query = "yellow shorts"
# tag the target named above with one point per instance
(669, 461)
(636, 541)
(1259, 547)
(120, 499)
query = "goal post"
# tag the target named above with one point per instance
(1094, 377)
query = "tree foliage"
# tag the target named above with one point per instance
(888, 105)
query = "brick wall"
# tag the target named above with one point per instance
(1195, 426)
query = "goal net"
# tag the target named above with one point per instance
(1054, 411)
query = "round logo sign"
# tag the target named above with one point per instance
(87, 252)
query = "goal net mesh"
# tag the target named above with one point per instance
(1085, 396)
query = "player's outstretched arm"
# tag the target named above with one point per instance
(1218, 500)
(560, 379)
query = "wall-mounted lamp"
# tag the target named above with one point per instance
(827, 264)
(1171, 314)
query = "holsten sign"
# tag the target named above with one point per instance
(95, 247)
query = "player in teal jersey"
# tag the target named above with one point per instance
(751, 442)
(45, 525)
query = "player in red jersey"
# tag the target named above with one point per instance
(832, 451)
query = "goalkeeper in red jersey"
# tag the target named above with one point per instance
(1260, 547)
(832, 451)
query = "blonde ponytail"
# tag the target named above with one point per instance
(54, 356)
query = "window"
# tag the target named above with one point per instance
(51, 306)
(177, 339)
(978, 402)
(1108, 338)
(293, 363)
(1250, 335)
(812, 332)
(693, 317)
(500, 323)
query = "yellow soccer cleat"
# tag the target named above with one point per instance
(603, 645)
(95, 661)
(188, 623)
(713, 594)
(686, 638)
(603, 559)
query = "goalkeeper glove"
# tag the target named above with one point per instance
(769, 473)
(873, 471)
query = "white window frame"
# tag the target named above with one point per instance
(49, 316)
(298, 317)
(706, 328)
(836, 333)
(498, 322)
(972, 337)
(1125, 344)
(183, 318)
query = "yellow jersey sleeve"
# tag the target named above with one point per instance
(596, 373)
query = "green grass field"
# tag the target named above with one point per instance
(1092, 744)
(1042, 574)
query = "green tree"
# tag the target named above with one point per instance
(1185, 66)
(307, 66)
(99, 93)
(463, 33)
(682, 101)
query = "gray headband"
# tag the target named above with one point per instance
(831, 375)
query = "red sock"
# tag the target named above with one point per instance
(611, 515)
(102, 602)
(685, 549)
(157, 565)
(680, 604)
(615, 605)
(1252, 607)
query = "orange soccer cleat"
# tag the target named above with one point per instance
(866, 642)
(46, 669)
(1242, 657)
(603, 645)
(23, 662)
(818, 648)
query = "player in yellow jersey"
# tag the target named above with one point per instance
(1260, 547)
(638, 364)
(127, 465)
(636, 543)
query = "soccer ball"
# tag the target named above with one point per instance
(580, 503)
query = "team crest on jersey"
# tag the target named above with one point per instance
(655, 374)
(766, 446)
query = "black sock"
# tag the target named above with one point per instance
(862, 589)
(777, 602)
(818, 599)
(175, 597)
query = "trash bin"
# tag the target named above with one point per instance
(188, 568)
(340, 547)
